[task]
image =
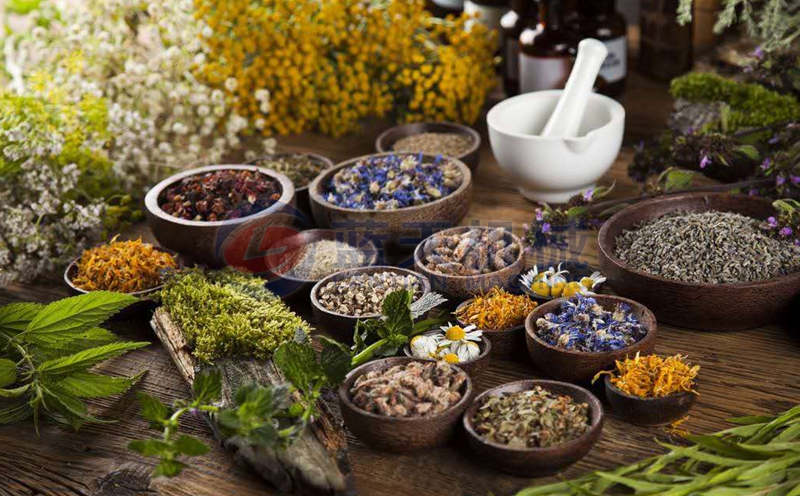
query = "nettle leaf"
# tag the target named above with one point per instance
(15, 317)
(190, 446)
(153, 409)
(208, 387)
(56, 345)
(66, 408)
(15, 392)
(298, 362)
(151, 447)
(78, 312)
(88, 385)
(397, 312)
(335, 360)
(8, 372)
(14, 411)
(86, 358)
(169, 468)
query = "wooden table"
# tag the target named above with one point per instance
(750, 372)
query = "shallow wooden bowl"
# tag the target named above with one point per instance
(302, 202)
(399, 229)
(696, 306)
(475, 368)
(459, 288)
(225, 242)
(508, 343)
(399, 434)
(582, 366)
(535, 462)
(341, 326)
(385, 142)
(649, 411)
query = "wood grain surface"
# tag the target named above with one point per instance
(748, 372)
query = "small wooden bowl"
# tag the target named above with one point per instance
(692, 305)
(508, 343)
(386, 141)
(290, 285)
(302, 202)
(399, 434)
(475, 368)
(224, 242)
(535, 462)
(459, 288)
(341, 326)
(582, 366)
(576, 273)
(649, 411)
(399, 229)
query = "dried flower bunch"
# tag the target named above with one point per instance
(390, 182)
(220, 195)
(362, 295)
(531, 419)
(583, 325)
(451, 343)
(126, 266)
(451, 144)
(476, 251)
(715, 248)
(414, 389)
(653, 376)
(322, 258)
(497, 310)
(300, 168)
(553, 282)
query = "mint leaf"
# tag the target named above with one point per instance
(298, 362)
(153, 409)
(152, 447)
(87, 358)
(14, 411)
(190, 446)
(15, 317)
(78, 312)
(335, 360)
(208, 387)
(8, 372)
(88, 385)
(169, 468)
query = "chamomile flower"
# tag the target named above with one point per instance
(466, 350)
(454, 334)
(424, 346)
(593, 280)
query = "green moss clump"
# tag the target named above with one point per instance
(750, 105)
(228, 313)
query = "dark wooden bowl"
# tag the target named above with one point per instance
(385, 142)
(535, 462)
(225, 242)
(399, 434)
(508, 343)
(302, 202)
(341, 326)
(649, 411)
(576, 273)
(696, 306)
(399, 229)
(459, 288)
(475, 368)
(295, 286)
(582, 366)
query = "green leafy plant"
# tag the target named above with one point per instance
(383, 336)
(46, 352)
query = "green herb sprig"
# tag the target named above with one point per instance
(46, 352)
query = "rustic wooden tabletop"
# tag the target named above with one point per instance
(743, 373)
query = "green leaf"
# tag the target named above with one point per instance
(151, 447)
(335, 360)
(78, 312)
(298, 362)
(635, 484)
(8, 372)
(397, 313)
(15, 317)
(678, 179)
(14, 393)
(72, 410)
(749, 151)
(208, 387)
(12, 412)
(22, 7)
(169, 468)
(87, 358)
(153, 409)
(56, 345)
(88, 385)
(190, 446)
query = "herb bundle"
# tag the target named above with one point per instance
(46, 352)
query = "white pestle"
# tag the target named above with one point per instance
(567, 116)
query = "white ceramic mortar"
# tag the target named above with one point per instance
(551, 170)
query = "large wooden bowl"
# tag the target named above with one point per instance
(385, 142)
(697, 306)
(534, 462)
(400, 229)
(224, 242)
(581, 366)
(474, 368)
(459, 288)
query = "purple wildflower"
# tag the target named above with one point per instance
(786, 231)
(795, 179)
(546, 228)
(753, 192)
(766, 163)
(539, 214)
(758, 52)
(774, 140)
(797, 242)
(587, 195)
(704, 161)
(772, 222)
(780, 180)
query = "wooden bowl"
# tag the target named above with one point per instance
(288, 284)
(696, 306)
(508, 343)
(534, 462)
(459, 288)
(577, 271)
(399, 434)
(341, 326)
(475, 368)
(582, 366)
(649, 411)
(225, 242)
(302, 202)
(385, 142)
(399, 229)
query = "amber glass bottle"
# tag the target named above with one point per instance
(545, 51)
(521, 16)
(665, 49)
(599, 19)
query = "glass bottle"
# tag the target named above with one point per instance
(599, 19)
(665, 49)
(489, 13)
(545, 57)
(442, 8)
(521, 15)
